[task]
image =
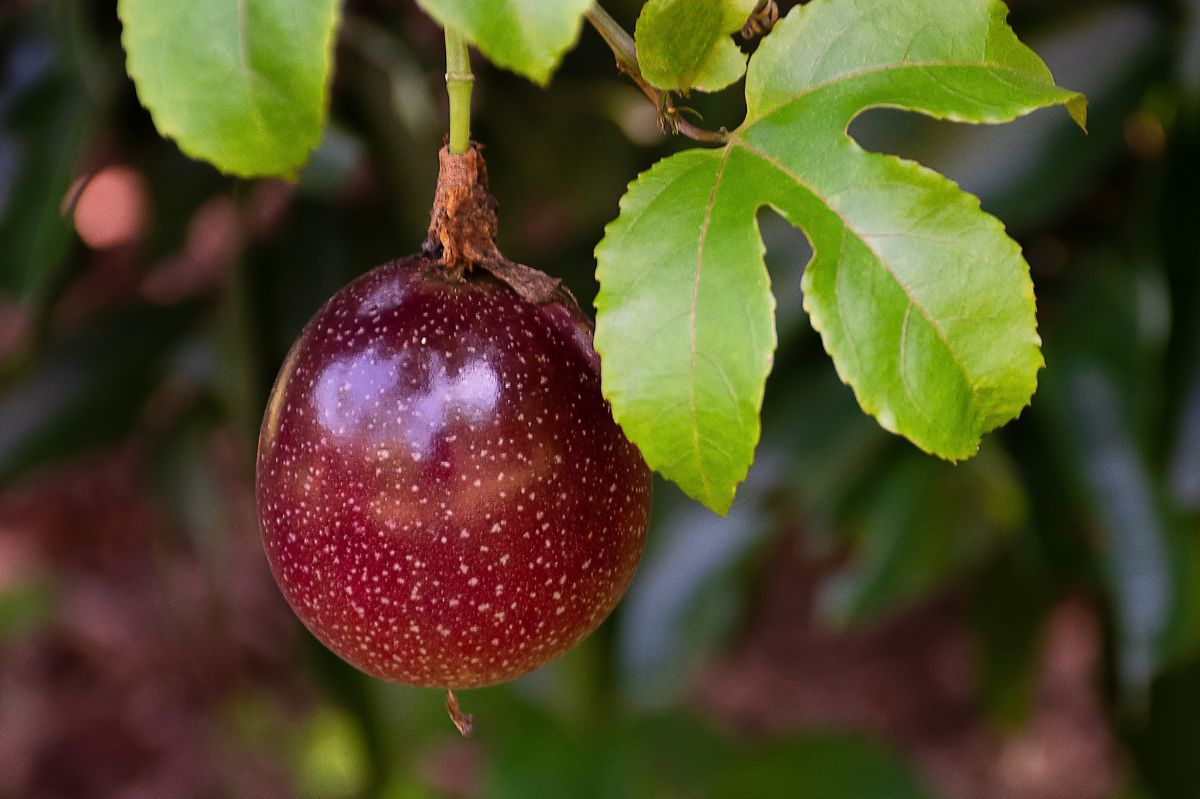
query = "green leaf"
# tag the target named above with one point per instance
(526, 36)
(1098, 413)
(921, 524)
(56, 90)
(240, 83)
(922, 300)
(332, 756)
(49, 127)
(26, 604)
(89, 390)
(685, 325)
(829, 767)
(686, 44)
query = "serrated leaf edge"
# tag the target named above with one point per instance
(717, 503)
(818, 321)
(169, 129)
(708, 88)
(539, 74)
(1074, 102)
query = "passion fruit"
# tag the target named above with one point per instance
(444, 497)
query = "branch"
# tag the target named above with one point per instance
(670, 118)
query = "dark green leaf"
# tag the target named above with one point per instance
(539, 757)
(922, 523)
(87, 392)
(829, 768)
(1096, 406)
(47, 115)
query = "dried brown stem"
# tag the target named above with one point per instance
(462, 225)
(464, 722)
(462, 232)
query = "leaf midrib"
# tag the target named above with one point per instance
(758, 114)
(248, 72)
(739, 140)
(692, 319)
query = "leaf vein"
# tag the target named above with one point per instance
(248, 72)
(866, 243)
(904, 374)
(995, 69)
(692, 321)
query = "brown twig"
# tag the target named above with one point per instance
(670, 118)
(464, 722)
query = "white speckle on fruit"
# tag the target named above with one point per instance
(496, 404)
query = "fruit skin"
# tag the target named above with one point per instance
(444, 497)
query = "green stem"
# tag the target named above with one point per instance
(459, 82)
(625, 51)
(620, 42)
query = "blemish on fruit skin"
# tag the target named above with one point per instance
(498, 389)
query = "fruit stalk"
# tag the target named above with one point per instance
(462, 224)
(463, 722)
(459, 83)
(462, 232)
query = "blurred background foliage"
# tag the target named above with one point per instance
(867, 623)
